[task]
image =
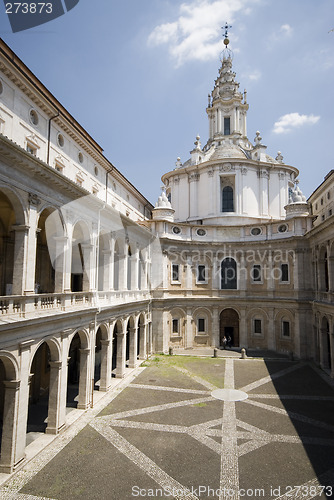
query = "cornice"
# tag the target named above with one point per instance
(255, 164)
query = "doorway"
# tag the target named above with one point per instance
(229, 327)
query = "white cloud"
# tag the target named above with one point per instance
(255, 75)
(288, 122)
(195, 35)
(286, 29)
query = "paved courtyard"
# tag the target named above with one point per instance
(190, 427)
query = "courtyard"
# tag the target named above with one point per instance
(195, 427)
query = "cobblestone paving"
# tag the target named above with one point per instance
(166, 436)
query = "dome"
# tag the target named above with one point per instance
(227, 151)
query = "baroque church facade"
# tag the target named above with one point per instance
(94, 278)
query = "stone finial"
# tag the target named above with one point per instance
(163, 209)
(178, 162)
(279, 157)
(197, 143)
(297, 205)
(258, 139)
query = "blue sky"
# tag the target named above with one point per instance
(136, 75)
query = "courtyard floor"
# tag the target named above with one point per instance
(188, 428)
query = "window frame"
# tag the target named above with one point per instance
(203, 281)
(227, 125)
(176, 332)
(235, 279)
(257, 322)
(259, 279)
(285, 281)
(173, 280)
(285, 322)
(201, 332)
(227, 202)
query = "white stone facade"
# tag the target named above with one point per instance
(229, 181)
(93, 278)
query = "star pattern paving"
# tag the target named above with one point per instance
(225, 430)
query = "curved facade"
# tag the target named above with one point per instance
(229, 180)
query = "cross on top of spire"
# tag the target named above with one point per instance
(226, 28)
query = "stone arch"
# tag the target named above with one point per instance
(9, 384)
(229, 326)
(19, 207)
(46, 251)
(177, 326)
(11, 365)
(12, 246)
(202, 326)
(78, 383)
(39, 388)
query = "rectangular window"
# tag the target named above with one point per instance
(175, 326)
(31, 149)
(286, 329)
(257, 326)
(284, 273)
(227, 199)
(256, 273)
(227, 126)
(201, 275)
(175, 272)
(201, 325)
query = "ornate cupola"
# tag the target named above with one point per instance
(230, 180)
(227, 109)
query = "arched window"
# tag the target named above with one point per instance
(227, 201)
(228, 274)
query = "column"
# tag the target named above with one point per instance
(210, 194)
(106, 361)
(193, 194)
(59, 263)
(9, 427)
(19, 269)
(323, 354)
(122, 284)
(189, 274)
(188, 341)
(143, 341)
(215, 341)
(120, 362)
(88, 282)
(134, 269)
(243, 337)
(219, 121)
(331, 347)
(31, 248)
(133, 347)
(271, 330)
(54, 423)
(330, 261)
(264, 191)
(84, 380)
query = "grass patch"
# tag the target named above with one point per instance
(210, 369)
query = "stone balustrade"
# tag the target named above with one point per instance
(16, 307)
